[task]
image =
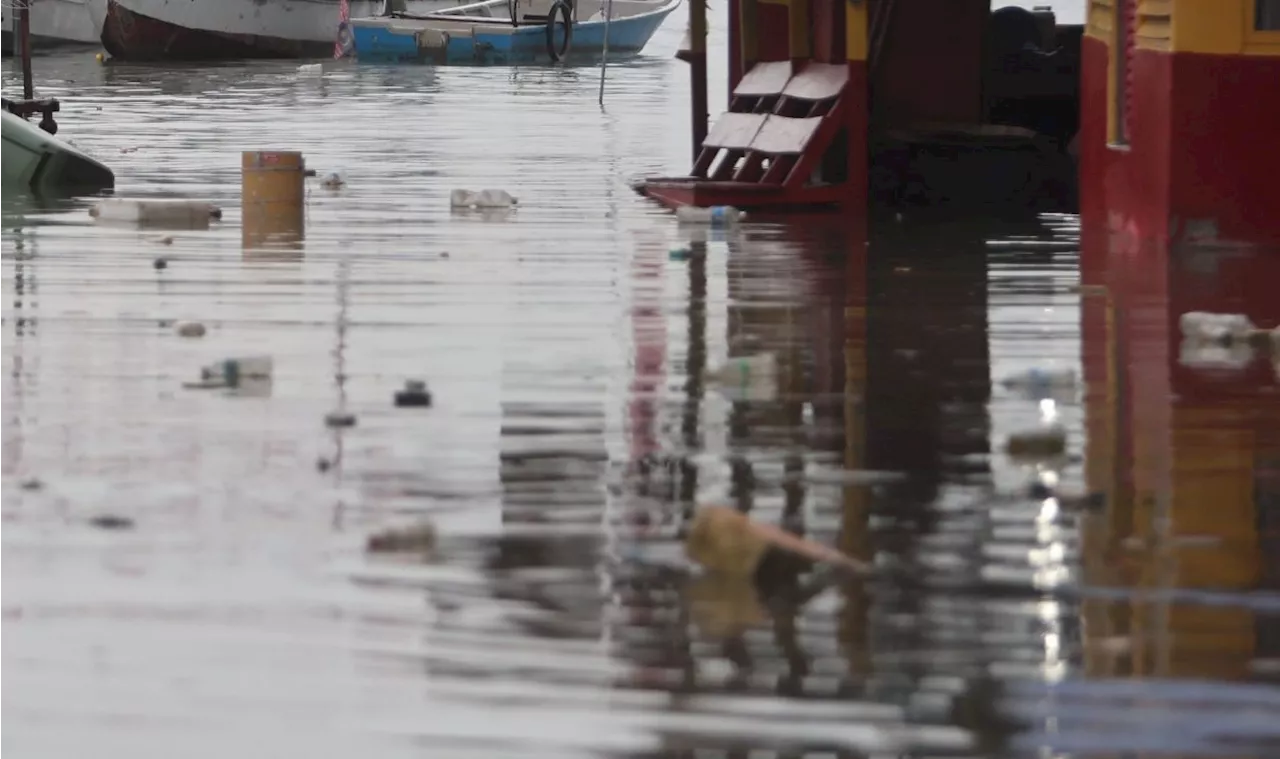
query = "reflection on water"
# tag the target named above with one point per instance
(572, 434)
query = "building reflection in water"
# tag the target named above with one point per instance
(884, 366)
(1185, 443)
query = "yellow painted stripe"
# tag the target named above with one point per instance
(855, 29)
(1220, 27)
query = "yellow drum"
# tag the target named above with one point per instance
(273, 197)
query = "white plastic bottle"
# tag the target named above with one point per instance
(712, 215)
(1201, 325)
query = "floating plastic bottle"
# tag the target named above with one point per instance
(1201, 325)
(231, 371)
(482, 199)
(1056, 378)
(750, 378)
(712, 215)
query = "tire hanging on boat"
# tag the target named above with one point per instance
(566, 18)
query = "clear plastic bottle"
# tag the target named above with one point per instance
(1201, 325)
(712, 215)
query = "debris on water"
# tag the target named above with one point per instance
(310, 69)
(420, 537)
(1042, 442)
(712, 215)
(32, 483)
(323, 465)
(1220, 328)
(752, 378)
(204, 384)
(681, 253)
(482, 199)
(332, 181)
(444, 254)
(1195, 353)
(229, 372)
(414, 394)
(190, 329)
(160, 263)
(166, 240)
(725, 540)
(339, 419)
(129, 150)
(1038, 383)
(182, 213)
(111, 522)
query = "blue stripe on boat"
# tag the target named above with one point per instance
(390, 40)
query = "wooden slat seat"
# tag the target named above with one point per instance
(735, 131)
(764, 80)
(817, 81)
(780, 135)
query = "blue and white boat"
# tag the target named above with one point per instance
(510, 31)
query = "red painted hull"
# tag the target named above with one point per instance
(1199, 170)
(130, 36)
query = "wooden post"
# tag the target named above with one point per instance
(698, 68)
(24, 39)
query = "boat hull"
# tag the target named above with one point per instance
(212, 30)
(41, 163)
(55, 23)
(458, 43)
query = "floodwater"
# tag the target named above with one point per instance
(573, 429)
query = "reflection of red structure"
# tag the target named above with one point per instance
(1186, 456)
(649, 336)
(1180, 119)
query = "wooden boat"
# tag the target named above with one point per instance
(55, 22)
(208, 30)
(39, 162)
(485, 32)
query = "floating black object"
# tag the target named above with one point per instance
(414, 394)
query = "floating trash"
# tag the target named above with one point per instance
(1043, 442)
(414, 394)
(231, 372)
(712, 215)
(332, 181)
(190, 329)
(111, 522)
(186, 214)
(419, 537)
(337, 419)
(482, 199)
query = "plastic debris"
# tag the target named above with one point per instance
(332, 181)
(232, 371)
(414, 394)
(752, 378)
(337, 419)
(111, 522)
(32, 484)
(1043, 442)
(725, 540)
(1222, 328)
(190, 329)
(310, 69)
(1038, 383)
(1234, 356)
(681, 253)
(482, 199)
(419, 537)
(712, 215)
(160, 263)
(187, 214)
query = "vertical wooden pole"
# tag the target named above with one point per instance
(735, 44)
(698, 68)
(24, 39)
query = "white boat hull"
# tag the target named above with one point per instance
(37, 161)
(229, 29)
(56, 22)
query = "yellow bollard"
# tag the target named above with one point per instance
(273, 196)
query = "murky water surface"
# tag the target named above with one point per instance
(573, 430)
